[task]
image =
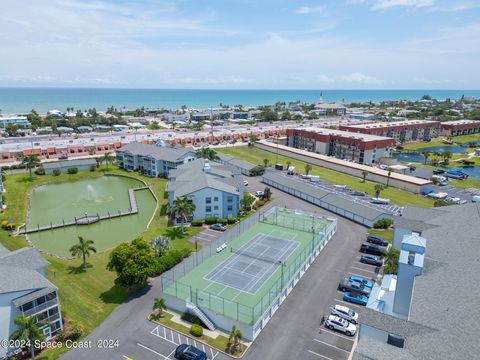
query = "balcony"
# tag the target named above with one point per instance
(40, 307)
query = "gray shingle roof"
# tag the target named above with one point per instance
(27, 257)
(242, 164)
(157, 152)
(190, 177)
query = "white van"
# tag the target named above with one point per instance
(291, 170)
(476, 199)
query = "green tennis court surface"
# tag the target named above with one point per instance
(244, 278)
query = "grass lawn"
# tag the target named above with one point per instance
(438, 142)
(387, 234)
(85, 297)
(398, 197)
(466, 183)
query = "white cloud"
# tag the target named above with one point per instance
(457, 6)
(361, 78)
(310, 10)
(386, 4)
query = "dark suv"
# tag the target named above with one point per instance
(372, 249)
(371, 259)
(377, 240)
(189, 352)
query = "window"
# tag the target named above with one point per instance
(27, 306)
(215, 207)
(208, 209)
(53, 311)
(229, 208)
(41, 300)
(230, 199)
(215, 198)
(208, 200)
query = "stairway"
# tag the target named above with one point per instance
(201, 315)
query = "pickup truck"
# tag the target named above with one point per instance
(354, 286)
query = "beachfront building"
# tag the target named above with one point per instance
(215, 189)
(460, 127)
(360, 148)
(330, 109)
(421, 312)
(152, 160)
(401, 131)
(24, 290)
(20, 121)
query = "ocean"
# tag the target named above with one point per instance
(22, 100)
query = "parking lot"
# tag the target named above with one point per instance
(453, 192)
(206, 236)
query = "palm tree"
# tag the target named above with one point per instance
(308, 168)
(28, 331)
(30, 162)
(182, 208)
(265, 162)
(83, 249)
(447, 154)
(378, 189)
(235, 339)
(364, 175)
(426, 155)
(107, 158)
(159, 306)
(389, 173)
(207, 153)
(288, 163)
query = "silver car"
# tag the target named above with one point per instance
(345, 313)
(337, 323)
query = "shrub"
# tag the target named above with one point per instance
(196, 330)
(211, 220)
(222, 221)
(383, 224)
(192, 319)
(56, 172)
(443, 202)
(170, 259)
(40, 171)
(93, 167)
(231, 220)
(72, 170)
(196, 223)
(73, 332)
(468, 162)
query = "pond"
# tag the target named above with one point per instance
(66, 201)
(471, 171)
(455, 149)
(408, 157)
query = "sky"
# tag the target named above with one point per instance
(241, 44)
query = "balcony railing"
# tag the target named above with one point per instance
(40, 307)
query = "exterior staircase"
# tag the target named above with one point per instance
(201, 315)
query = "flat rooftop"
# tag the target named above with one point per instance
(380, 125)
(461, 122)
(346, 134)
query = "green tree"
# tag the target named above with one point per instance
(107, 158)
(207, 153)
(265, 162)
(288, 163)
(83, 249)
(28, 332)
(30, 162)
(389, 173)
(308, 168)
(160, 245)
(159, 306)
(133, 262)
(267, 193)
(182, 208)
(447, 155)
(426, 155)
(364, 175)
(247, 201)
(391, 260)
(378, 189)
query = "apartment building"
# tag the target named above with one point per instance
(401, 131)
(360, 148)
(460, 127)
(152, 160)
(24, 290)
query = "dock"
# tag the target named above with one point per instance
(91, 219)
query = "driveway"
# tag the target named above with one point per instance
(293, 332)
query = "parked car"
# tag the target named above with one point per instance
(345, 313)
(438, 171)
(337, 323)
(371, 260)
(476, 199)
(245, 182)
(259, 193)
(365, 282)
(218, 227)
(372, 249)
(189, 352)
(355, 298)
(354, 286)
(377, 240)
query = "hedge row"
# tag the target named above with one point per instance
(214, 220)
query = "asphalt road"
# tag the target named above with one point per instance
(292, 333)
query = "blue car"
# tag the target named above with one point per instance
(355, 298)
(365, 282)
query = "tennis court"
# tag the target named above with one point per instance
(258, 259)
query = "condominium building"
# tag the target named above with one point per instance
(401, 131)
(460, 127)
(215, 189)
(24, 290)
(21, 121)
(152, 160)
(360, 148)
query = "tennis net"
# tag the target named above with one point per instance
(273, 260)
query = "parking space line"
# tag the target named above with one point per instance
(357, 268)
(322, 356)
(337, 334)
(153, 351)
(333, 346)
(349, 304)
(179, 340)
